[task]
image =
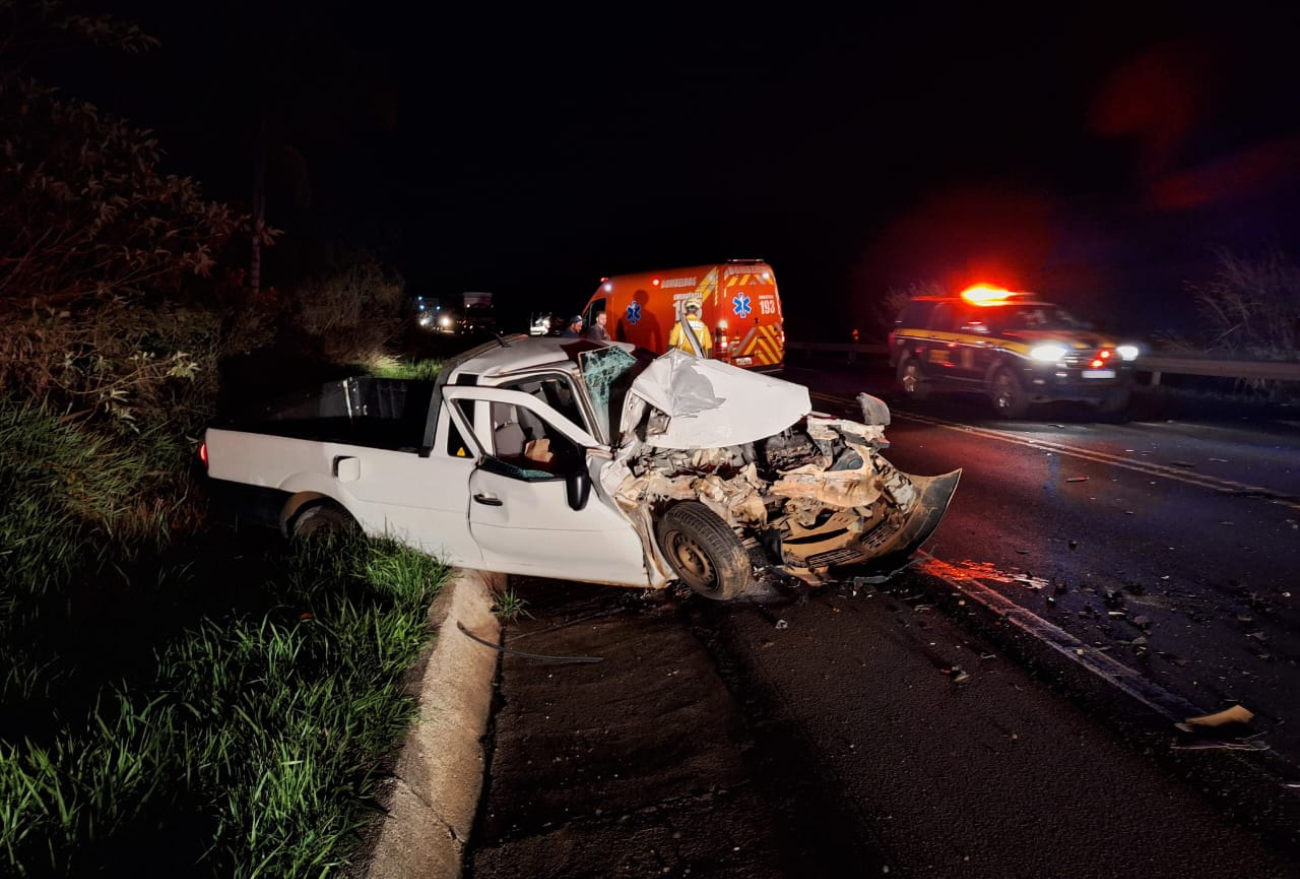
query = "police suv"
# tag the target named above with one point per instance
(1015, 348)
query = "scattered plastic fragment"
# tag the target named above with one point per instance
(782, 624)
(1186, 464)
(959, 675)
(1235, 714)
(1142, 621)
(1220, 460)
(1074, 544)
(1077, 479)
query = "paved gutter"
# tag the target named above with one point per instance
(432, 799)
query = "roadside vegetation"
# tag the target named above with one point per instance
(174, 697)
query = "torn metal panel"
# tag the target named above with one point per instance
(712, 404)
(859, 486)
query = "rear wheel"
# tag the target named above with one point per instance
(704, 552)
(1115, 403)
(911, 380)
(1007, 394)
(324, 522)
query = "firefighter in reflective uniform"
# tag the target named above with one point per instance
(678, 338)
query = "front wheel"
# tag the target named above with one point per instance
(704, 552)
(1007, 394)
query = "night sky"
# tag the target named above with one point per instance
(1098, 154)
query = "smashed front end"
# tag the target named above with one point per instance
(817, 495)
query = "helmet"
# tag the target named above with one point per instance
(693, 305)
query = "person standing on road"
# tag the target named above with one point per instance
(574, 329)
(597, 332)
(679, 338)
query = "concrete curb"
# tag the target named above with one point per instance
(439, 774)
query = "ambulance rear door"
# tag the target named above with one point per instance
(749, 310)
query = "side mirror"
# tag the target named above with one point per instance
(577, 487)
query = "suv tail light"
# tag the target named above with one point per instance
(203, 454)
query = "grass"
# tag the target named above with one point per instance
(509, 606)
(392, 367)
(245, 736)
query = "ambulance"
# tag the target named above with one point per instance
(738, 300)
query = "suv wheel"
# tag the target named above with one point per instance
(1007, 394)
(911, 380)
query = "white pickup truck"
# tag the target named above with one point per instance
(585, 461)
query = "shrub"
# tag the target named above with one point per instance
(352, 311)
(1251, 307)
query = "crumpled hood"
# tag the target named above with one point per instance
(711, 404)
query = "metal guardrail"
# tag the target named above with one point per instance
(1154, 364)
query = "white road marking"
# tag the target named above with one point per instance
(1155, 697)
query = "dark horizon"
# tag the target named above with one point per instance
(1099, 155)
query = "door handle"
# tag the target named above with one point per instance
(489, 500)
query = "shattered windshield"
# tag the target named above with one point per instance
(608, 373)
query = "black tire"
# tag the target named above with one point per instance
(325, 521)
(704, 552)
(1115, 403)
(1007, 394)
(911, 379)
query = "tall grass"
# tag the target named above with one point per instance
(254, 749)
(243, 743)
(393, 367)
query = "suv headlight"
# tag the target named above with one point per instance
(1127, 352)
(1048, 353)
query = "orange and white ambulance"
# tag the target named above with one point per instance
(738, 301)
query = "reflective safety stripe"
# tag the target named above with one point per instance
(763, 344)
(990, 342)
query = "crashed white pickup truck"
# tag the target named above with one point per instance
(585, 461)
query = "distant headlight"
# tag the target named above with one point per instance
(1128, 352)
(1048, 353)
(444, 321)
(426, 319)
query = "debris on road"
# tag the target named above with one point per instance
(957, 674)
(1235, 714)
(1077, 479)
(782, 624)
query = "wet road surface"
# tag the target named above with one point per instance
(830, 734)
(1170, 545)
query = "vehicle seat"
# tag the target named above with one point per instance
(509, 440)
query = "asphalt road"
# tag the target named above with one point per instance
(1005, 707)
(1171, 544)
(829, 736)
